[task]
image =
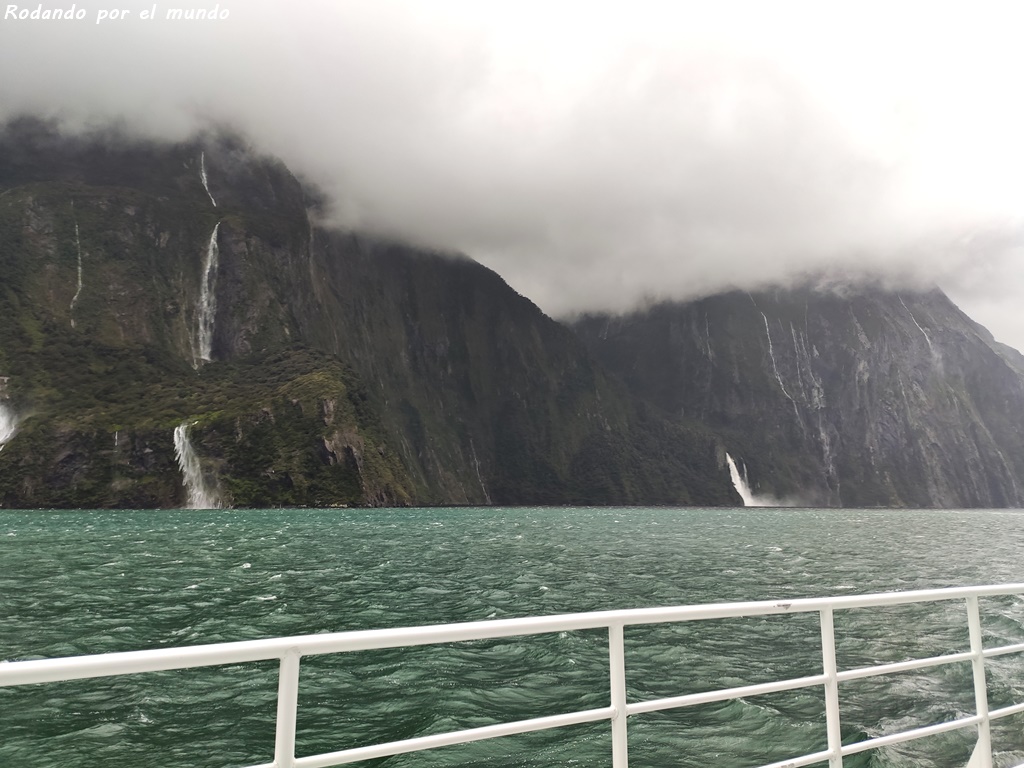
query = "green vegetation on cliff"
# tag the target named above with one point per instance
(345, 369)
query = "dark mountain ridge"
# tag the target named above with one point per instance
(343, 369)
(869, 397)
(151, 289)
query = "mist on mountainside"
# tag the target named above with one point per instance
(597, 157)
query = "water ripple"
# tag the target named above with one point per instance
(93, 582)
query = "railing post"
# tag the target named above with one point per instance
(617, 677)
(828, 666)
(982, 757)
(287, 708)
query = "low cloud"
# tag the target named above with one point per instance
(597, 157)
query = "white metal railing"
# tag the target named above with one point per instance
(290, 650)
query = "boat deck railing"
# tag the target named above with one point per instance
(291, 650)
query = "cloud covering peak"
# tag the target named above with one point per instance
(599, 154)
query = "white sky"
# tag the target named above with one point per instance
(598, 154)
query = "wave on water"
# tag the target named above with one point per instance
(185, 578)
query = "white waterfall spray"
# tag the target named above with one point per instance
(74, 299)
(8, 424)
(199, 495)
(203, 178)
(8, 416)
(207, 301)
(739, 482)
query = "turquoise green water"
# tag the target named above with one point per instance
(91, 582)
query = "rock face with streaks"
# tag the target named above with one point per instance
(312, 366)
(851, 396)
(146, 286)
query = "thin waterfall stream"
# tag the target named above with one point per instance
(207, 309)
(78, 292)
(203, 178)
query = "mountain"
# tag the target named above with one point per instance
(850, 396)
(172, 311)
(176, 328)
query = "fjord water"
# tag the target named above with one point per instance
(97, 581)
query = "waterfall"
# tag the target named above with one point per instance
(202, 177)
(739, 482)
(924, 333)
(771, 353)
(8, 424)
(199, 496)
(207, 300)
(479, 477)
(74, 300)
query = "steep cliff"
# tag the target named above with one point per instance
(858, 396)
(148, 288)
(495, 402)
(151, 286)
(105, 248)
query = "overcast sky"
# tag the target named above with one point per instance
(600, 154)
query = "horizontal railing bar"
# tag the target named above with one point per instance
(1003, 650)
(707, 697)
(903, 666)
(799, 762)
(135, 662)
(1014, 709)
(912, 735)
(163, 659)
(454, 737)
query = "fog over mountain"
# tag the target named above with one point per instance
(600, 155)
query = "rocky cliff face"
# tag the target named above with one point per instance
(149, 286)
(145, 287)
(105, 250)
(856, 397)
(494, 401)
